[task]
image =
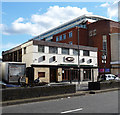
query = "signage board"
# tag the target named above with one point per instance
(102, 70)
(70, 59)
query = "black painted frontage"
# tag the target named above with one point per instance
(70, 73)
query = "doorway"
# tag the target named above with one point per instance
(86, 74)
(53, 72)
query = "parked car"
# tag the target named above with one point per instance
(117, 77)
(4, 85)
(107, 77)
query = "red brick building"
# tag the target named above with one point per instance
(96, 34)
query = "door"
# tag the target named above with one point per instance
(53, 74)
(86, 74)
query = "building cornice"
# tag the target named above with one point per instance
(63, 45)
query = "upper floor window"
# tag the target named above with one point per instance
(75, 51)
(104, 44)
(40, 48)
(70, 34)
(70, 42)
(24, 50)
(64, 36)
(60, 37)
(65, 51)
(57, 39)
(53, 50)
(84, 26)
(90, 33)
(94, 32)
(86, 53)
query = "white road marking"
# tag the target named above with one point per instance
(71, 111)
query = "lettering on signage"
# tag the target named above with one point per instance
(70, 59)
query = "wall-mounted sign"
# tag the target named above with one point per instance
(102, 70)
(107, 70)
(70, 59)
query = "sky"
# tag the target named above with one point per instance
(22, 21)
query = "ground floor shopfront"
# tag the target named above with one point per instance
(62, 73)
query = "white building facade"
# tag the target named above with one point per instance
(56, 62)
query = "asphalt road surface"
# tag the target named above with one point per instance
(90, 103)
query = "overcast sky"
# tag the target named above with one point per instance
(22, 21)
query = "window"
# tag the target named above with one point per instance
(90, 33)
(40, 48)
(75, 52)
(65, 51)
(53, 50)
(94, 32)
(24, 50)
(70, 34)
(105, 45)
(86, 53)
(41, 74)
(64, 36)
(70, 42)
(57, 39)
(60, 37)
(84, 26)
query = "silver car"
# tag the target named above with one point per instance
(107, 77)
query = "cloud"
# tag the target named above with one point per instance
(112, 9)
(104, 5)
(39, 23)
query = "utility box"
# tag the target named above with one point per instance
(11, 71)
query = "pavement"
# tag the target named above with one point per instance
(78, 93)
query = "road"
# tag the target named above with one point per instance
(90, 103)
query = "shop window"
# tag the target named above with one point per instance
(41, 74)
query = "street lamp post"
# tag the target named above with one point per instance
(104, 59)
(78, 59)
